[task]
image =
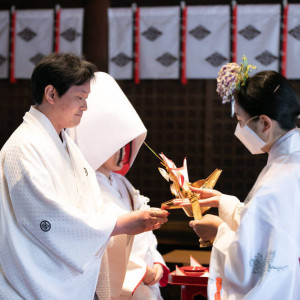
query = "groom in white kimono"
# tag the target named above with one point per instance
(53, 228)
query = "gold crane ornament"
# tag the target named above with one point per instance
(180, 188)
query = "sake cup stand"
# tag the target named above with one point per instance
(190, 285)
(183, 256)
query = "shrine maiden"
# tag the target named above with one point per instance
(256, 249)
(53, 228)
(110, 137)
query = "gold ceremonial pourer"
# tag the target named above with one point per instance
(207, 183)
(195, 210)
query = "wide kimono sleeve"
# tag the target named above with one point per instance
(144, 251)
(230, 210)
(260, 260)
(68, 234)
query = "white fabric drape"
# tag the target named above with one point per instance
(109, 123)
(208, 40)
(120, 43)
(4, 43)
(258, 35)
(71, 30)
(159, 42)
(293, 42)
(34, 39)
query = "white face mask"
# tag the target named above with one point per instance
(250, 139)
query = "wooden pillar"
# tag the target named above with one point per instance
(95, 43)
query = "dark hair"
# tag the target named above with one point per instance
(269, 93)
(62, 70)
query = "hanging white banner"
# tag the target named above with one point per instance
(4, 43)
(207, 40)
(120, 43)
(258, 35)
(34, 39)
(293, 42)
(71, 30)
(159, 42)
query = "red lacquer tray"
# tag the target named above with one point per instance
(191, 278)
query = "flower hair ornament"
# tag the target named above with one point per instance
(230, 78)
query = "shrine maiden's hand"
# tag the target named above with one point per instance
(207, 227)
(140, 221)
(208, 198)
(153, 275)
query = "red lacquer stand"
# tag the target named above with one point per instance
(191, 284)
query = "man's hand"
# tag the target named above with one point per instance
(153, 275)
(140, 221)
(207, 227)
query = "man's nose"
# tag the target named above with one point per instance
(84, 105)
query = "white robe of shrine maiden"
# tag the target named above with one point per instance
(53, 231)
(257, 257)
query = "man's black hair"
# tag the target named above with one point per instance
(62, 70)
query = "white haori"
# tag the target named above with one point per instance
(207, 40)
(293, 42)
(34, 39)
(159, 42)
(120, 43)
(258, 35)
(71, 30)
(260, 257)
(53, 230)
(4, 43)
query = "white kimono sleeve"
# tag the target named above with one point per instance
(253, 260)
(230, 210)
(67, 234)
(143, 253)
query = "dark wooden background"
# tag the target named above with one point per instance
(182, 121)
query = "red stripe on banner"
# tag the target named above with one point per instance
(57, 29)
(284, 40)
(12, 78)
(183, 45)
(234, 33)
(137, 47)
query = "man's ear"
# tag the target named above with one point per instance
(266, 121)
(50, 93)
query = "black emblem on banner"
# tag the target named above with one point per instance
(70, 34)
(216, 59)
(2, 60)
(166, 59)
(37, 58)
(152, 33)
(249, 32)
(199, 32)
(295, 32)
(27, 34)
(121, 59)
(266, 58)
